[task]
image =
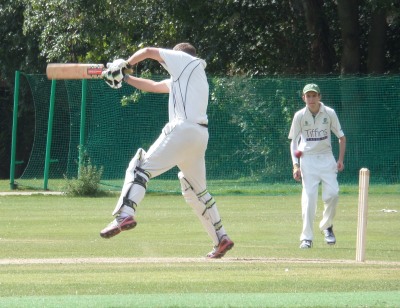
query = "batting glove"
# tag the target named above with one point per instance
(116, 70)
(113, 79)
(120, 65)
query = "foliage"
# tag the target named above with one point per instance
(236, 38)
(88, 181)
(81, 31)
(136, 95)
(261, 115)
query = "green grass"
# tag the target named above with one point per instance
(264, 269)
(245, 186)
(287, 300)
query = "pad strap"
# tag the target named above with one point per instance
(139, 180)
(129, 203)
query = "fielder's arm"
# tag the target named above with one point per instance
(296, 164)
(293, 148)
(342, 151)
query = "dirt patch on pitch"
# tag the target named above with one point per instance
(184, 260)
(30, 193)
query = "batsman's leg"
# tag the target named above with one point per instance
(203, 204)
(132, 193)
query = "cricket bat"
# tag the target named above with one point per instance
(74, 71)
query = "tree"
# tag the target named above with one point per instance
(236, 37)
(252, 37)
(348, 16)
(322, 53)
(14, 50)
(377, 38)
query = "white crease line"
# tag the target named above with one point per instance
(183, 260)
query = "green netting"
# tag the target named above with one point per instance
(249, 121)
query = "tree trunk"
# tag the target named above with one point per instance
(348, 18)
(321, 50)
(376, 43)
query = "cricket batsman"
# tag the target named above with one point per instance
(182, 142)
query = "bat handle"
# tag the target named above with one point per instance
(127, 71)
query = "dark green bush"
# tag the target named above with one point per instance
(88, 181)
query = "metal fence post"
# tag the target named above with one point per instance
(14, 130)
(49, 134)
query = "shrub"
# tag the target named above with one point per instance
(88, 181)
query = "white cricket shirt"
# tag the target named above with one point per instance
(315, 132)
(188, 86)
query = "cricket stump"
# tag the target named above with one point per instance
(362, 214)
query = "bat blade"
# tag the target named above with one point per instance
(74, 71)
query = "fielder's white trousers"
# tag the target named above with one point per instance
(318, 169)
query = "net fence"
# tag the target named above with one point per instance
(249, 122)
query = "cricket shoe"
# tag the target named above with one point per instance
(222, 248)
(330, 238)
(305, 244)
(117, 225)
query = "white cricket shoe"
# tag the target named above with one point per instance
(220, 250)
(330, 238)
(305, 244)
(117, 225)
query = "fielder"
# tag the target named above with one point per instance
(314, 163)
(182, 142)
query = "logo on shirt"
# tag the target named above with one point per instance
(325, 121)
(316, 134)
(317, 139)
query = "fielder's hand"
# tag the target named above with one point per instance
(296, 172)
(340, 166)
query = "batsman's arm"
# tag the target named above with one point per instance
(145, 53)
(147, 85)
(143, 84)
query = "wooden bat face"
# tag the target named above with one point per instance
(74, 71)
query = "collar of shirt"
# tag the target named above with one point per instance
(321, 109)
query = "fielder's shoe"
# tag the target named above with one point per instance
(220, 250)
(117, 225)
(330, 238)
(305, 244)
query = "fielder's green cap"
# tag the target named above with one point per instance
(311, 87)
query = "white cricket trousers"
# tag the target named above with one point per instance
(318, 169)
(181, 144)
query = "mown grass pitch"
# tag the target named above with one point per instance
(163, 262)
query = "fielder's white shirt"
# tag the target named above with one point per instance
(315, 131)
(188, 97)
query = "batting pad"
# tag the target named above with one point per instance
(129, 179)
(206, 211)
